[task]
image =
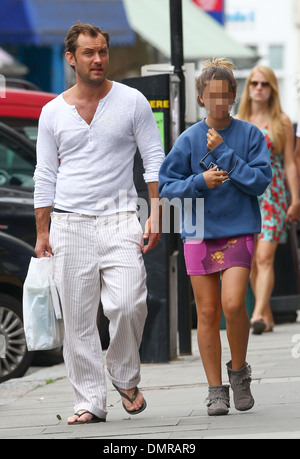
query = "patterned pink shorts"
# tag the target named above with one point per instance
(214, 255)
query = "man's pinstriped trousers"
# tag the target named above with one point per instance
(100, 257)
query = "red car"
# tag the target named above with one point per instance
(21, 108)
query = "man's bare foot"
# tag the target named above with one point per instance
(82, 418)
(132, 399)
(137, 403)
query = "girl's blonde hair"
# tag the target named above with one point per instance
(276, 124)
(216, 69)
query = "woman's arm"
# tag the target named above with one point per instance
(293, 212)
(297, 156)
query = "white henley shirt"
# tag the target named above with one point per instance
(85, 168)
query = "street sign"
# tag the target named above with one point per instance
(213, 7)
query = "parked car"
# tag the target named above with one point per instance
(15, 359)
(19, 111)
(17, 163)
(14, 260)
(21, 108)
(18, 232)
(17, 240)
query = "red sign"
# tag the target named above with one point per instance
(210, 5)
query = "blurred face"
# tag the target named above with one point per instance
(218, 98)
(91, 59)
(259, 88)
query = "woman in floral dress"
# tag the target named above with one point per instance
(280, 203)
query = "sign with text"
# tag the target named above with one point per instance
(213, 7)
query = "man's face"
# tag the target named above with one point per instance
(91, 59)
(217, 98)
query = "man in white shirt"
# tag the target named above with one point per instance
(86, 144)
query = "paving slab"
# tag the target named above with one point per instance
(37, 405)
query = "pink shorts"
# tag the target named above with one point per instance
(214, 255)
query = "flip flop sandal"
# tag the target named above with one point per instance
(94, 419)
(131, 400)
(258, 327)
(269, 328)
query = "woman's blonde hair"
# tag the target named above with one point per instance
(216, 69)
(276, 124)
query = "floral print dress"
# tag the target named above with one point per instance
(274, 201)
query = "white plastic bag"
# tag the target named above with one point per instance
(42, 316)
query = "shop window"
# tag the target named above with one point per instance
(276, 56)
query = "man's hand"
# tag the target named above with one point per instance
(42, 247)
(153, 224)
(152, 233)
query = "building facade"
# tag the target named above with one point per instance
(272, 28)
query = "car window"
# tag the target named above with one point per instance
(26, 126)
(16, 164)
(31, 132)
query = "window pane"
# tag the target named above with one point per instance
(276, 57)
(16, 168)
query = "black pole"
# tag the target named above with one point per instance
(177, 54)
(184, 297)
(176, 34)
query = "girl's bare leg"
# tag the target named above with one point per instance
(263, 279)
(234, 291)
(209, 311)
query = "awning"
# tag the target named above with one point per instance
(203, 37)
(46, 22)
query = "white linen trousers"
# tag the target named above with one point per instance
(100, 257)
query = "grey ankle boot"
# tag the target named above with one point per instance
(240, 381)
(218, 400)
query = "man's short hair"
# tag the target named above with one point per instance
(71, 40)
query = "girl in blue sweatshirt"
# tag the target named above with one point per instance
(225, 162)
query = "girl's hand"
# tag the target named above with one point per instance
(293, 212)
(214, 178)
(213, 139)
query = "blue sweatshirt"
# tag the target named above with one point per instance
(232, 208)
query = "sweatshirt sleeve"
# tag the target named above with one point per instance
(252, 176)
(148, 139)
(47, 165)
(176, 178)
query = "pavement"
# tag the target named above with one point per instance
(37, 405)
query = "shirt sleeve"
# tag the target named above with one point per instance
(176, 178)
(47, 165)
(148, 139)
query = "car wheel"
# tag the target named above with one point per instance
(17, 358)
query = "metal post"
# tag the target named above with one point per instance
(177, 60)
(177, 56)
